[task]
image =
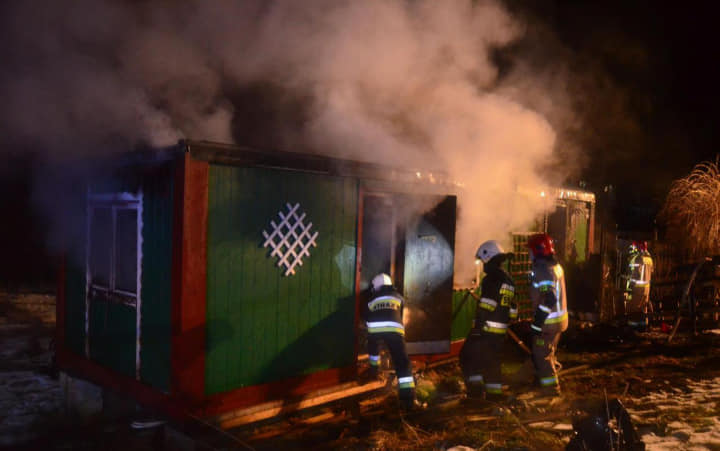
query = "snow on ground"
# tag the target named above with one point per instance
(26, 398)
(27, 395)
(680, 418)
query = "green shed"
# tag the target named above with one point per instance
(215, 277)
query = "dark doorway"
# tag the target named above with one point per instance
(378, 243)
(412, 238)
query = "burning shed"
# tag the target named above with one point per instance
(219, 277)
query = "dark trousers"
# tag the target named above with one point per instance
(480, 362)
(403, 369)
(543, 355)
(637, 307)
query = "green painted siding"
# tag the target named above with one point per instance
(263, 326)
(463, 313)
(112, 336)
(155, 333)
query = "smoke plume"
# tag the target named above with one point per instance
(400, 82)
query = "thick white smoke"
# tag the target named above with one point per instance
(401, 82)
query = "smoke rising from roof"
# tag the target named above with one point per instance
(410, 83)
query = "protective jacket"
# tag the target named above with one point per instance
(496, 306)
(384, 311)
(547, 292)
(640, 268)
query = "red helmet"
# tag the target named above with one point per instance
(541, 245)
(642, 246)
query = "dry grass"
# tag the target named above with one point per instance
(692, 209)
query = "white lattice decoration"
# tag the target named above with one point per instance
(290, 240)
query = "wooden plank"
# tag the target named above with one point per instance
(270, 410)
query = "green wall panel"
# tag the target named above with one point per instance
(463, 311)
(112, 336)
(155, 333)
(264, 326)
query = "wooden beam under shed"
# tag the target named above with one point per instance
(275, 408)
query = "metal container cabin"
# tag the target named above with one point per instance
(222, 315)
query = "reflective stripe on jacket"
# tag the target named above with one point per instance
(640, 268)
(496, 306)
(384, 312)
(548, 276)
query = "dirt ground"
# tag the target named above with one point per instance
(672, 391)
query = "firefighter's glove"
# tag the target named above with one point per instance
(541, 314)
(549, 299)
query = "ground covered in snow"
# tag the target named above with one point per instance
(28, 393)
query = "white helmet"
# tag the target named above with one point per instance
(380, 281)
(488, 250)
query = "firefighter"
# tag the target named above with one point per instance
(547, 292)
(384, 320)
(480, 354)
(637, 289)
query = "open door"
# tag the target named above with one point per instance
(113, 281)
(428, 275)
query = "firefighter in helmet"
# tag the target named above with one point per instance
(480, 354)
(384, 320)
(547, 292)
(637, 289)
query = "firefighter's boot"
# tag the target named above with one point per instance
(552, 391)
(499, 398)
(371, 374)
(475, 392)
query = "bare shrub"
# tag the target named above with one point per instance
(692, 209)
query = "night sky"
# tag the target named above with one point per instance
(646, 73)
(656, 116)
